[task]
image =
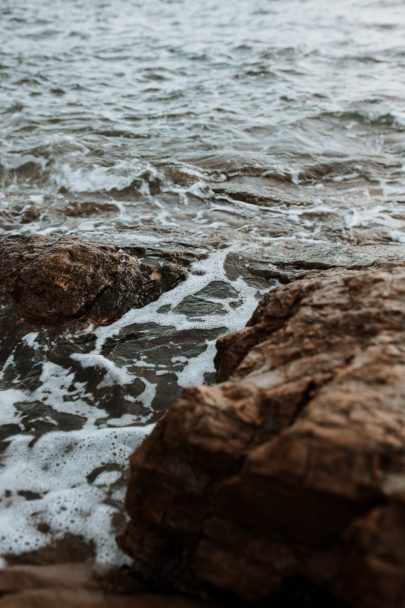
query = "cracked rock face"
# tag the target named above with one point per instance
(294, 464)
(48, 280)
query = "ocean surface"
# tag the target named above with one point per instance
(232, 133)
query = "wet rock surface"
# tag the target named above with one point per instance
(293, 465)
(80, 586)
(53, 280)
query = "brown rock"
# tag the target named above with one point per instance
(55, 280)
(80, 586)
(294, 465)
(89, 208)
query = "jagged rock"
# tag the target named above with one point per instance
(294, 464)
(52, 280)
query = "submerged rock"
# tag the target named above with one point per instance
(294, 464)
(52, 280)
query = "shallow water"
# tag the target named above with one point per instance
(238, 134)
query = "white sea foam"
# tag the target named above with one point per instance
(31, 339)
(90, 180)
(56, 469)
(397, 236)
(8, 399)
(80, 178)
(202, 273)
(57, 389)
(113, 373)
(197, 367)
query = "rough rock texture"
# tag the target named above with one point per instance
(294, 464)
(79, 586)
(291, 260)
(52, 280)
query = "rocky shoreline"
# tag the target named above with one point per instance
(284, 478)
(292, 465)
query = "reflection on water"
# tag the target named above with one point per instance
(250, 139)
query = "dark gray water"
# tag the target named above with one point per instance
(240, 134)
